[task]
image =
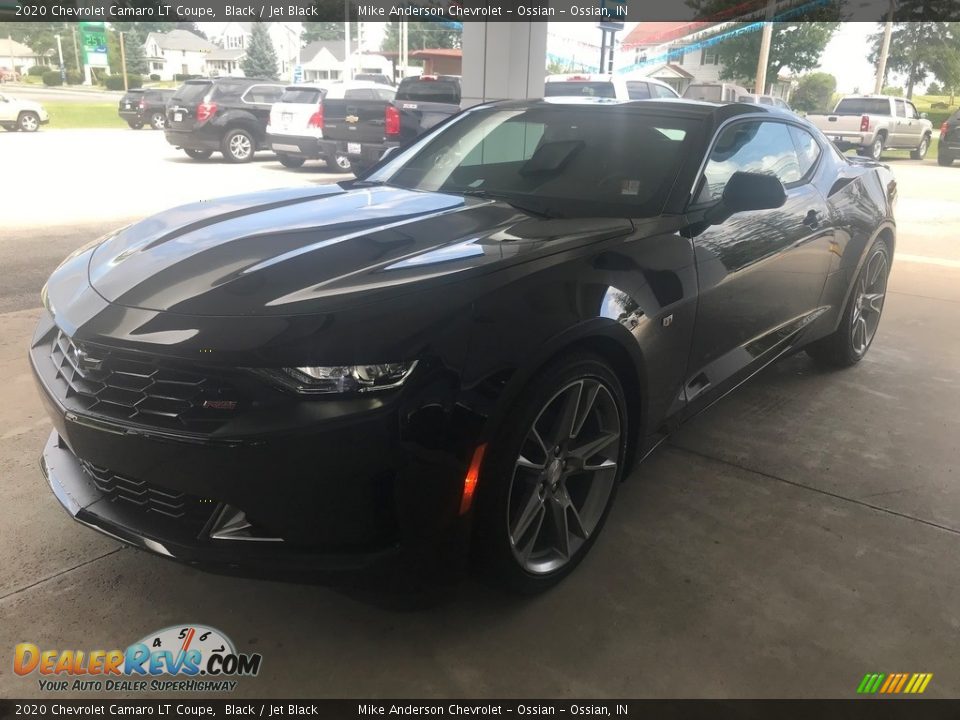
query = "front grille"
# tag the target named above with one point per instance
(149, 498)
(126, 387)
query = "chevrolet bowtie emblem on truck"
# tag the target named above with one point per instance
(352, 118)
(85, 362)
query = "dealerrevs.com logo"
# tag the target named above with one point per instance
(177, 658)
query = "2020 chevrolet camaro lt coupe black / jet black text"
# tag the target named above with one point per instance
(465, 349)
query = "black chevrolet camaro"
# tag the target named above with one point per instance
(467, 349)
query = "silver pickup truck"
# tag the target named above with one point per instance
(872, 123)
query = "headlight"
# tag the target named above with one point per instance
(346, 378)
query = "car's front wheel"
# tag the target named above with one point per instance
(239, 146)
(920, 152)
(551, 474)
(29, 121)
(158, 121)
(288, 161)
(198, 154)
(858, 326)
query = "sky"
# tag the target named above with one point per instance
(844, 57)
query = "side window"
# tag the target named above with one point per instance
(638, 90)
(759, 147)
(508, 142)
(387, 95)
(901, 108)
(264, 94)
(662, 92)
(808, 151)
(912, 111)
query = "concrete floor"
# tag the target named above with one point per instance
(799, 534)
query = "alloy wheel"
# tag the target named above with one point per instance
(868, 303)
(158, 121)
(343, 162)
(564, 476)
(240, 146)
(876, 149)
(29, 122)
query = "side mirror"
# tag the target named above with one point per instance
(747, 191)
(924, 116)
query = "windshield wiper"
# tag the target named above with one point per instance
(510, 199)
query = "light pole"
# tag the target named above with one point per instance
(63, 70)
(123, 62)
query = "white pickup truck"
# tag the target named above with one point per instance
(872, 123)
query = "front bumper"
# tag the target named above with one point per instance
(346, 496)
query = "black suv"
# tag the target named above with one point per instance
(227, 115)
(145, 106)
(949, 149)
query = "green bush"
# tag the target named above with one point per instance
(180, 77)
(115, 82)
(52, 77)
(814, 93)
(74, 77)
(893, 91)
(154, 77)
(37, 70)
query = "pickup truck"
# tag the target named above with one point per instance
(872, 123)
(364, 129)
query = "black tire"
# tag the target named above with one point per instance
(875, 150)
(10, 127)
(134, 125)
(500, 557)
(198, 154)
(839, 349)
(28, 121)
(921, 150)
(158, 121)
(945, 159)
(288, 161)
(338, 164)
(238, 146)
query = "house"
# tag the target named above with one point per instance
(699, 65)
(323, 60)
(21, 56)
(235, 37)
(440, 61)
(178, 52)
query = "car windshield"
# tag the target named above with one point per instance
(709, 93)
(562, 160)
(301, 95)
(438, 91)
(567, 88)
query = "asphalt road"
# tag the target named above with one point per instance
(799, 534)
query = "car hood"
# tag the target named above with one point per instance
(301, 250)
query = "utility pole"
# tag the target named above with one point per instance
(884, 51)
(63, 70)
(123, 62)
(760, 86)
(348, 76)
(76, 48)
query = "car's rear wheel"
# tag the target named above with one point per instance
(339, 163)
(921, 150)
(289, 161)
(158, 121)
(858, 326)
(10, 127)
(198, 154)
(945, 159)
(873, 151)
(239, 146)
(29, 121)
(551, 474)
(134, 124)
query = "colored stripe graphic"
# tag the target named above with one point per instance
(894, 683)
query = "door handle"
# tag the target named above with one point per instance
(812, 219)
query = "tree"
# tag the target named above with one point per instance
(913, 47)
(421, 35)
(322, 31)
(814, 92)
(945, 61)
(797, 46)
(260, 59)
(41, 38)
(934, 88)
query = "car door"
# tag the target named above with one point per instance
(914, 125)
(899, 132)
(760, 273)
(6, 109)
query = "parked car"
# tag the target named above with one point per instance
(17, 114)
(949, 148)
(871, 123)
(145, 106)
(564, 283)
(607, 86)
(363, 129)
(226, 115)
(772, 100)
(378, 78)
(300, 120)
(714, 92)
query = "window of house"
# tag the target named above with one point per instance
(708, 56)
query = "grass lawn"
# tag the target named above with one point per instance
(83, 115)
